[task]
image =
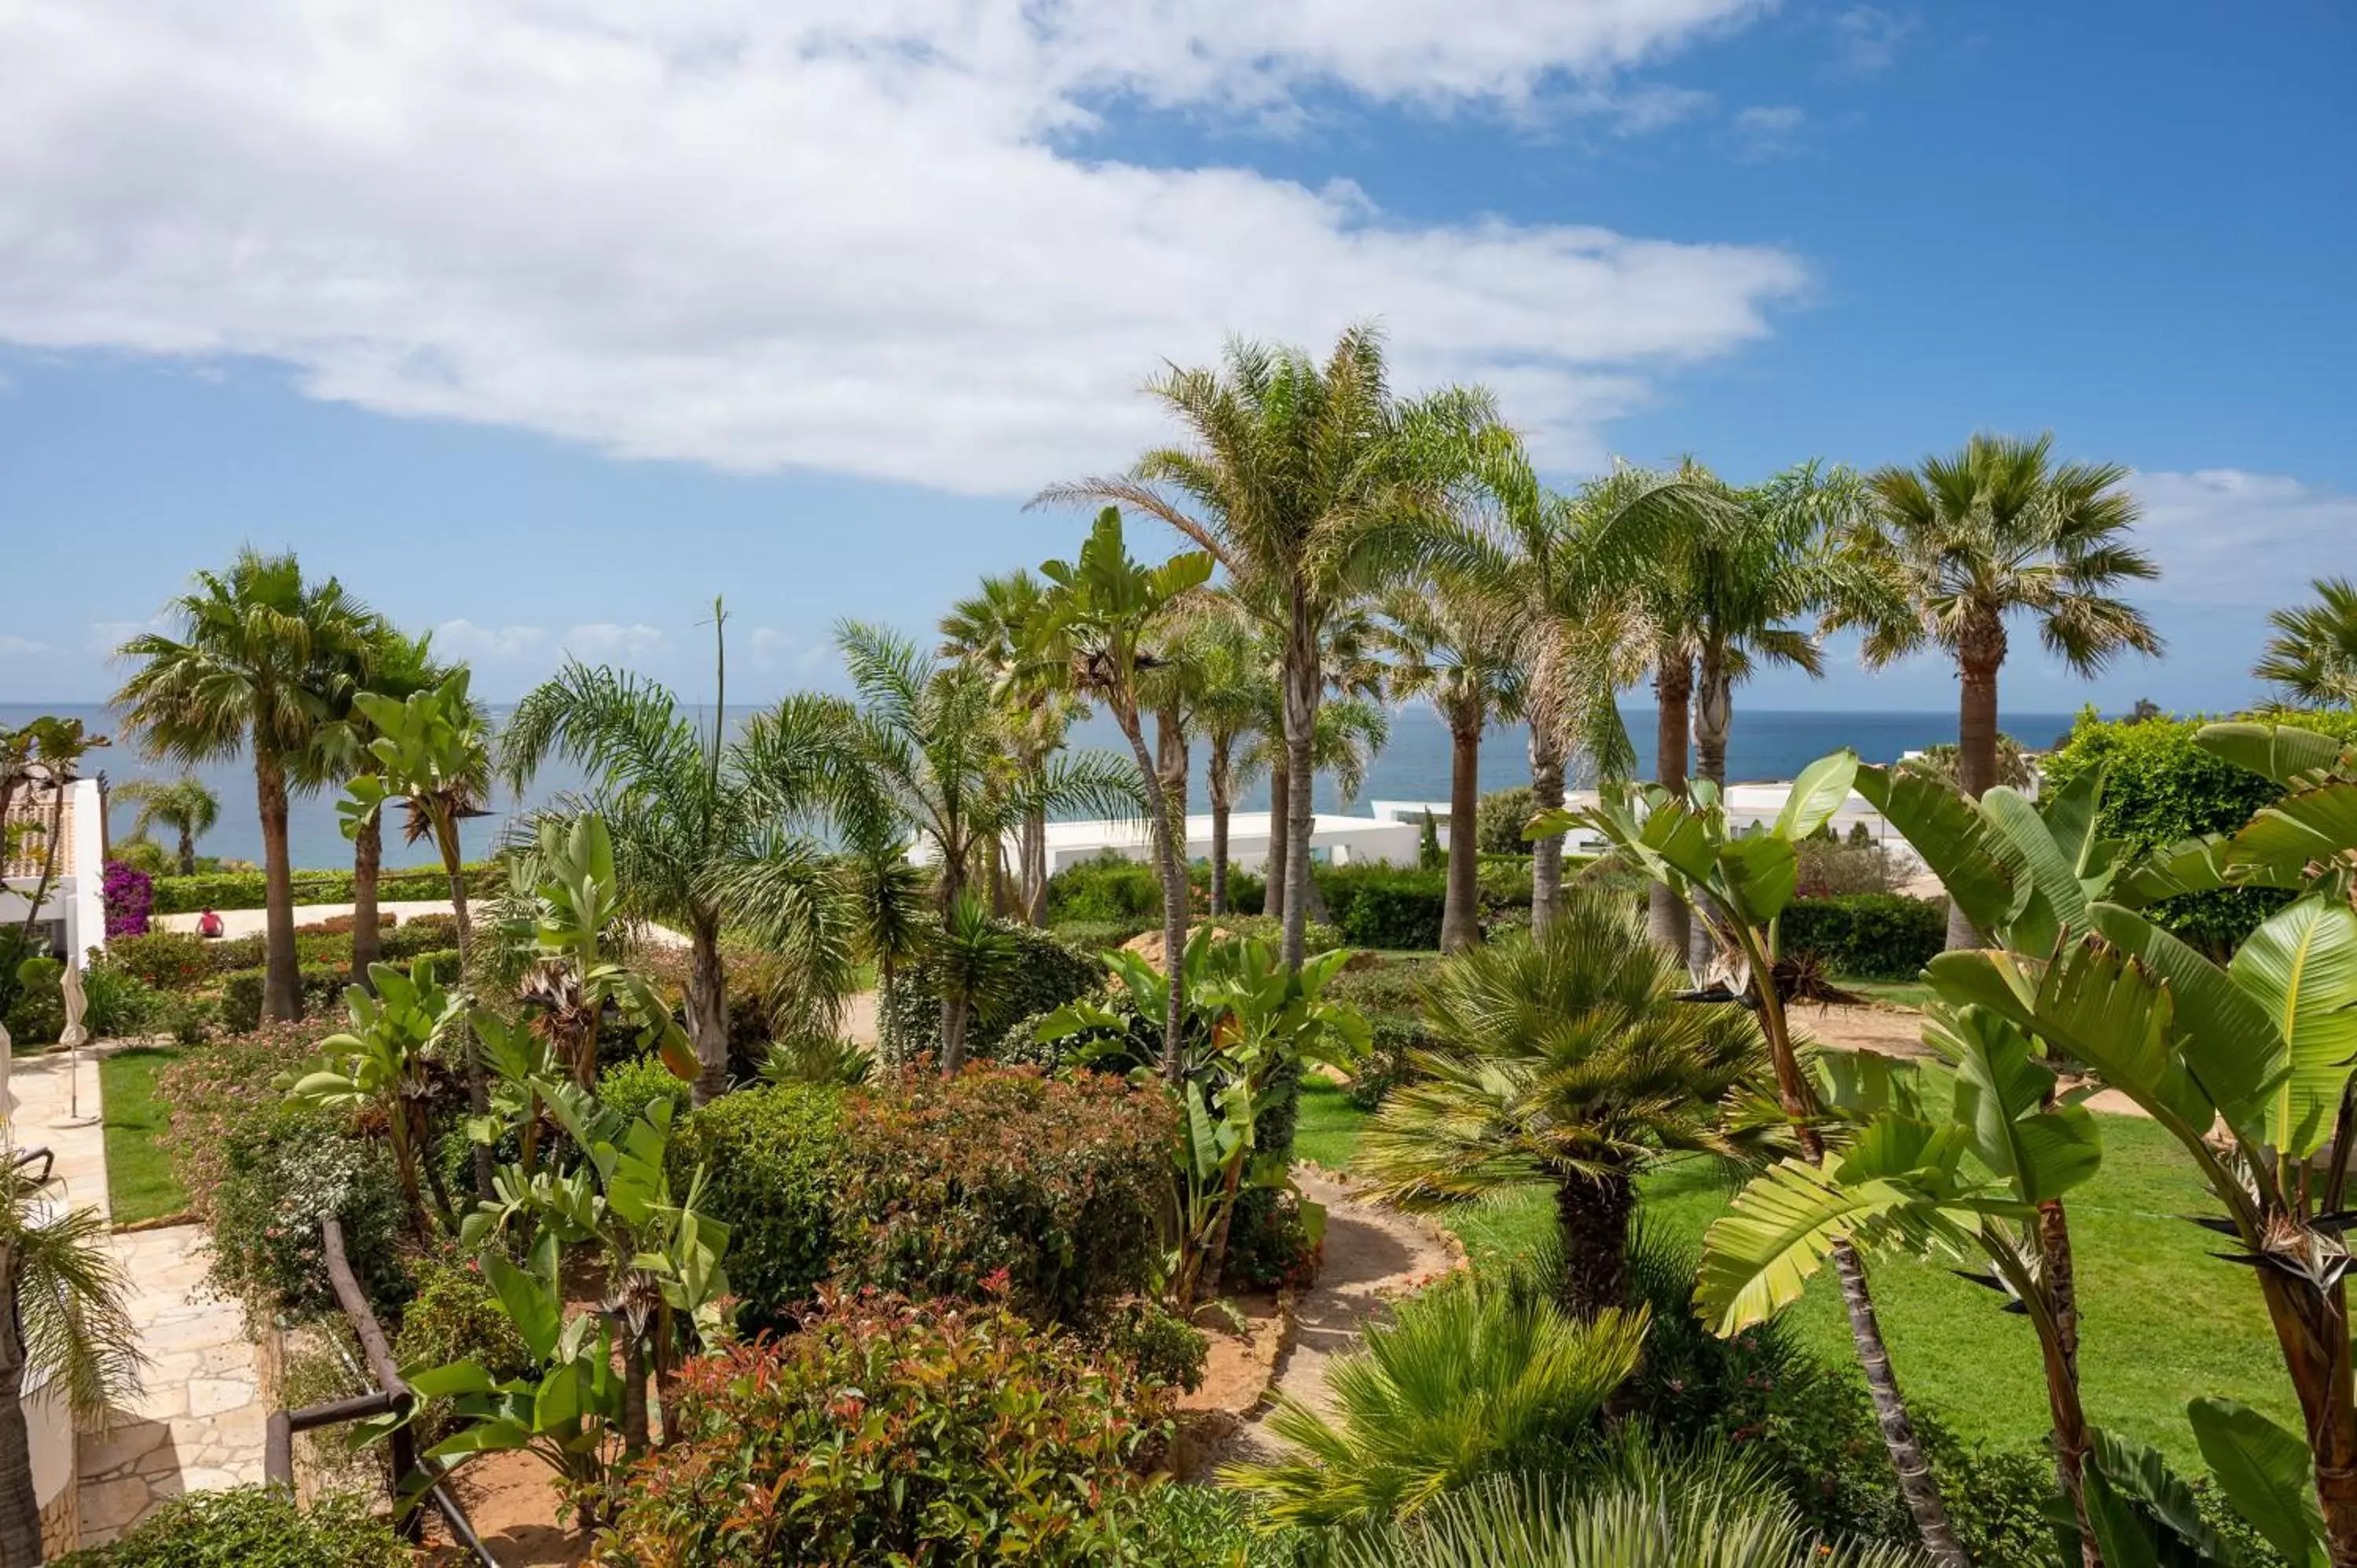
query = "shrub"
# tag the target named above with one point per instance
(121, 1003)
(342, 925)
(1827, 867)
(253, 1527)
(1108, 888)
(2161, 787)
(1385, 905)
(207, 1095)
(1499, 819)
(1157, 1344)
(771, 1159)
(128, 895)
(1316, 936)
(1047, 973)
(281, 1176)
(456, 1317)
(190, 1020)
(37, 1015)
(242, 992)
(245, 889)
(1874, 936)
(1052, 1187)
(171, 961)
(630, 1087)
(1097, 936)
(891, 1432)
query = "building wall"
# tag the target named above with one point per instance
(77, 897)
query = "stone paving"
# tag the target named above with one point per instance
(197, 1423)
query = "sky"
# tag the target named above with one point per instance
(543, 325)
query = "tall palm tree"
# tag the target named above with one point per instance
(255, 646)
(1234, 690)
(1566, 1063)
(2313, 654)
(187, 805)
(927, 753)
(62, 1313)
(1953, 549)
(1304, 480)
(708, 828)
(393, 666)
(1458, 646)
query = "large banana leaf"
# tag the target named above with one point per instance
(2301, 966)
(2002, 1103)
(2224, 1036)
(1816, 795)
(2057, 904)
(2315, 827)
(1760, 875)
(1942, 826)
(2189, 865)
(2285, 753)
(2137, 1474)
(2265, 1472)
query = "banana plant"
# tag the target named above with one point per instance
(383, 1063)
(2248, 1064)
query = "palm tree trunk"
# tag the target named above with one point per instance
(1714, 716)
(1035, 866)
(1666, 919)
(953, 1012)
(1546, 854)
(1975, 751)
(1593, 1213)
(478, 1088)
(1460, 924)
(2060, 1283)
(1220, 806)
(367, 858)
(188, 851)
(634, 1389)
(707, 1012)
(282, 988)
(1174, 896)
(1916, 1487)
(1280, 822)
(20, 1510)
(1170, 759)
(1304, 682)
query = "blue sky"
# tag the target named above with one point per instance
(544, 325)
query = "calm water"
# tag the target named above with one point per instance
(1413, 767)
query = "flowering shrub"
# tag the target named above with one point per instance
(1056, 1185)
(280, 1178)
(257, 1527)
(128, 895)
(171, 961)
(889, 1432)
(207, 1095)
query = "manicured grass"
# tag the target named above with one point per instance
(1896, 993)
(2161, 1321)
(139, 1181)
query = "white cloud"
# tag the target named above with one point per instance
(595, 640)
(2225, 537)
(21, 647)
(1865, 39)
(1769, 130)
(106, 636)
(864, 236)
(465, 640)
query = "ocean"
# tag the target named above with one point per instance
(1764, 745)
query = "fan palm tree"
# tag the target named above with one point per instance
(1304, 481)
(708, 828)
(1458, 646)
(2313, 654)
(63, 1316)
(1566, 1063)
(927, 753)
(256, 645)
(1953, 549)
(187, 805)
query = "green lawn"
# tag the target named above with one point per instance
(2161, 1321)
(139, 1181)
(1896, 993)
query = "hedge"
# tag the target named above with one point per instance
(769, 1158)
(2161, 787)
(247, 889)
(1049, 973)
(322, 986)
(1113, 891)
(1873, 936)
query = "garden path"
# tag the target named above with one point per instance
(253, 922)
(196, 1422)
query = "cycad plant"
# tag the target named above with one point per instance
(2312, 657)
(187, 805)
(1565, 1062)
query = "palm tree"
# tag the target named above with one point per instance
(1566, 1063)
(1352, 732)
(1954, 548)
(2313, 654)
(187, 805)
(63, 1314)
(1097, 622)
(256, 644)
(394, 667)
(1234, 690)
(1304, 481)
(1458, 646)
(926, 754)
(706, 826)
(975, 963)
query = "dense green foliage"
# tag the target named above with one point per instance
(323, 987)
(1875, 936)
(1046, 974)
(1111, 890)
(892, 1432)
(253, 1527)
(771, 1159)
(245, 889)
(2159, 787)
(1499, 819)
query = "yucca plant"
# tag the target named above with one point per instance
(1478, 1375)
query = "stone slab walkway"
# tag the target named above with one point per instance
(197, 1424)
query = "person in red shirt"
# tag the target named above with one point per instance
(210, 925)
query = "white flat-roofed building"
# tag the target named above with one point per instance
(1334, 839)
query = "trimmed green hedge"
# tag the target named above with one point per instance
(1049, 973)
(2161, 787)
(245, 889)
(771, 1158)
(1873, 936)
(322, 984)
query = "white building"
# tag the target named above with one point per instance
(1334, 839)
(73, 916)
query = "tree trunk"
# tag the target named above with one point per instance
(2061, 1291)
(1170, 763)
(707, 1012)
(1305, 679)
(1035, 866)
(1221, 805)
(20, 1510)
(1666, 919)
(478, 1088)
(367, 858)
(1546, 854)
(1593, 1212)
(1215, 1251)
(1174, 896)
(1916, 1487)
(282, 986)
(188, 852)
(634, 1389)
(1280, 822)
(953, 1012)
(1714, 716)
(1460, 920)
(1976, 743)
(2312, 1331)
